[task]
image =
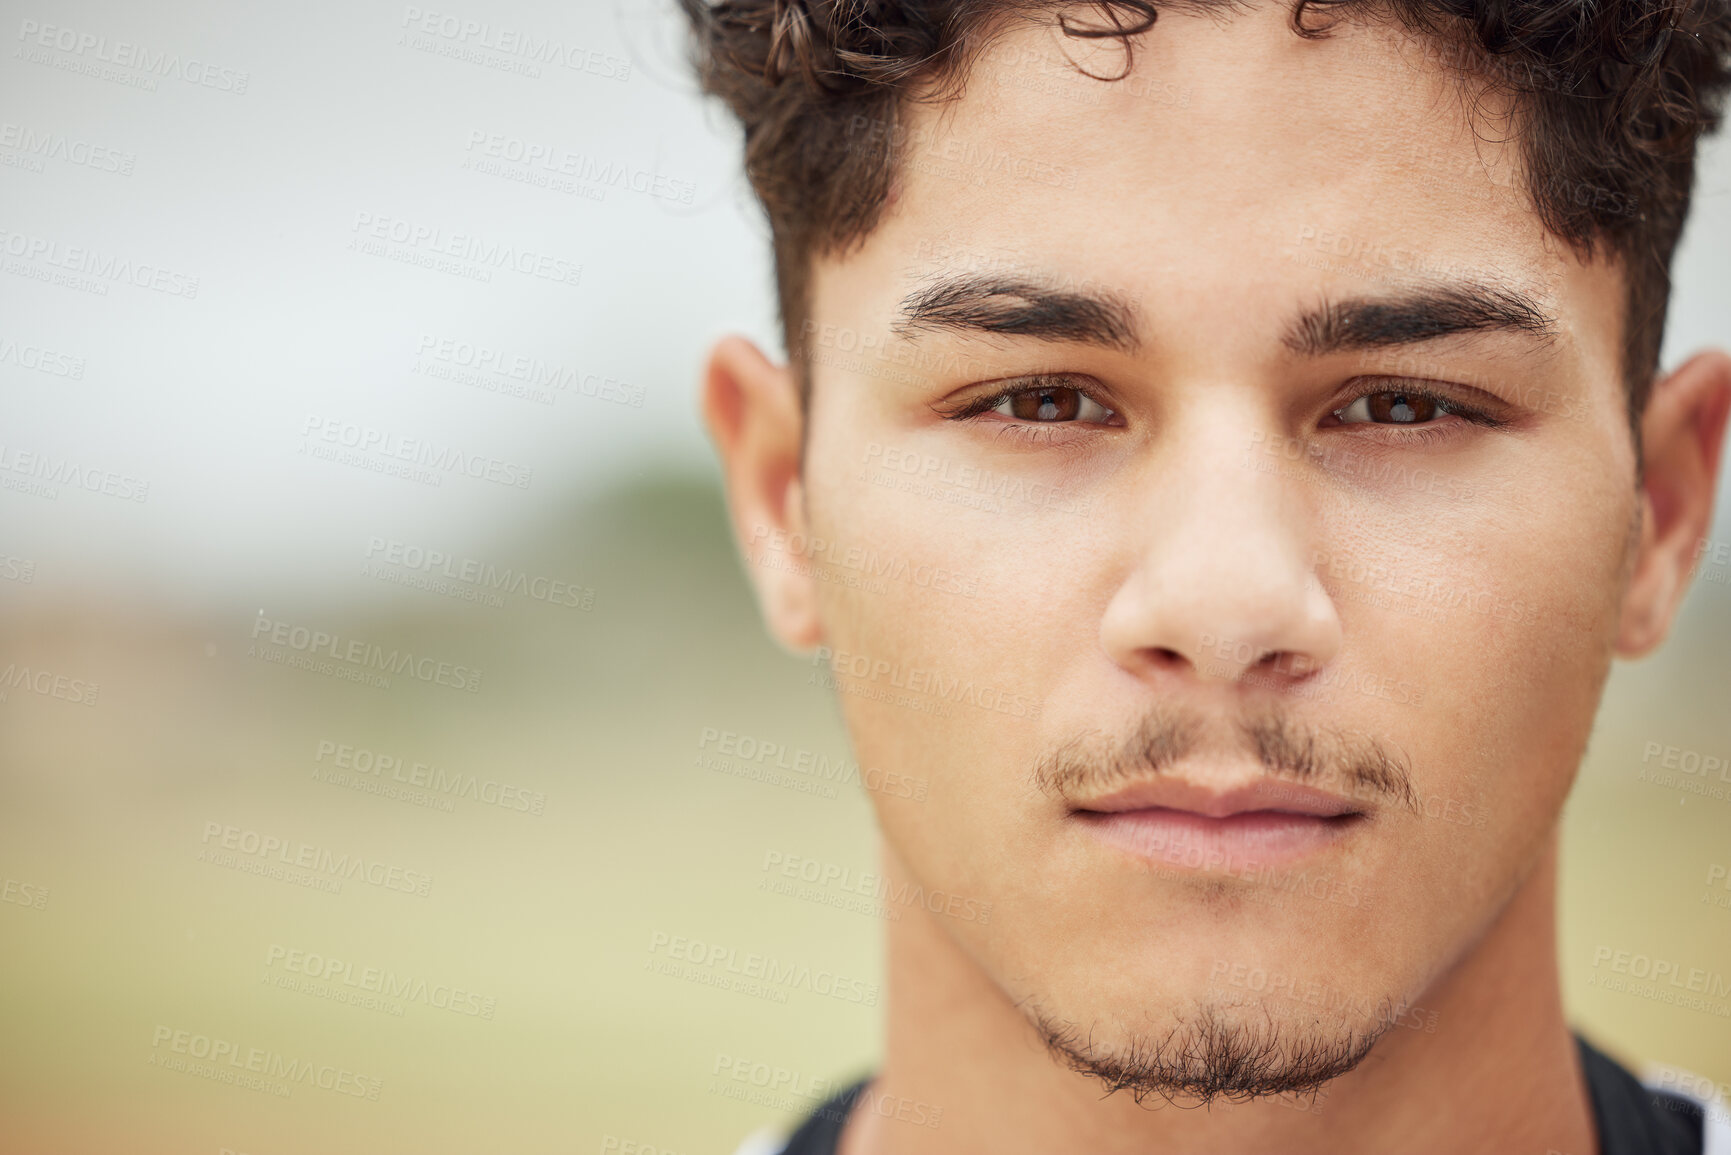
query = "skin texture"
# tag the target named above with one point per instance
(1220, 549)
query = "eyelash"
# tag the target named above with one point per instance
(1425, 433)
(1035, 432)
(1417, 434)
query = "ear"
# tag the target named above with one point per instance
(752, 408)
(1681, 435)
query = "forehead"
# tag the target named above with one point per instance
(1234, 161)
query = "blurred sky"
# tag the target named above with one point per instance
(281, 146)
(353, 118)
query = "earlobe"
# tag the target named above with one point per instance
(752, 408)
(1682, 434)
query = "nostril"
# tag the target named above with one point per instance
(1162, 656)
(1290, 663)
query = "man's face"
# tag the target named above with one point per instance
(1249, 650)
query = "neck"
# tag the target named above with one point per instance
(1494, 1070)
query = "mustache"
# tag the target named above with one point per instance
(1354, 764)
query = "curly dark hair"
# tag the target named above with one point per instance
(1611, 97)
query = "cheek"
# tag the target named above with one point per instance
(947, 635)
(945, 569)
(1501, 611)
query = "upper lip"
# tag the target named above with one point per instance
(1264, 794)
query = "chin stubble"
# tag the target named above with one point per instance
(1211, 1055)
(1215, 1051)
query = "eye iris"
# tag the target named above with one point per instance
(1046, 404)
(1401, 408)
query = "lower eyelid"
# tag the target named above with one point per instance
(1408, 434)
(1054, 432)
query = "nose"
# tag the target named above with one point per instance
(1221, 586)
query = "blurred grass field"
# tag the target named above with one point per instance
(552, 916)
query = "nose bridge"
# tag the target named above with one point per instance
(1240, 544)
(1222, 576)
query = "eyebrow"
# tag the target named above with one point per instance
(1018, 307)
(1022, 307)
(1422, 315)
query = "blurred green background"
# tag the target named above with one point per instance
(555, 916)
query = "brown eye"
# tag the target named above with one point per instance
(1046, 405)
(1390, 408)
(1056, 403)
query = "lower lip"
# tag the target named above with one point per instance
(1186, 840)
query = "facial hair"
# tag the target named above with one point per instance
(1215, 1050)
